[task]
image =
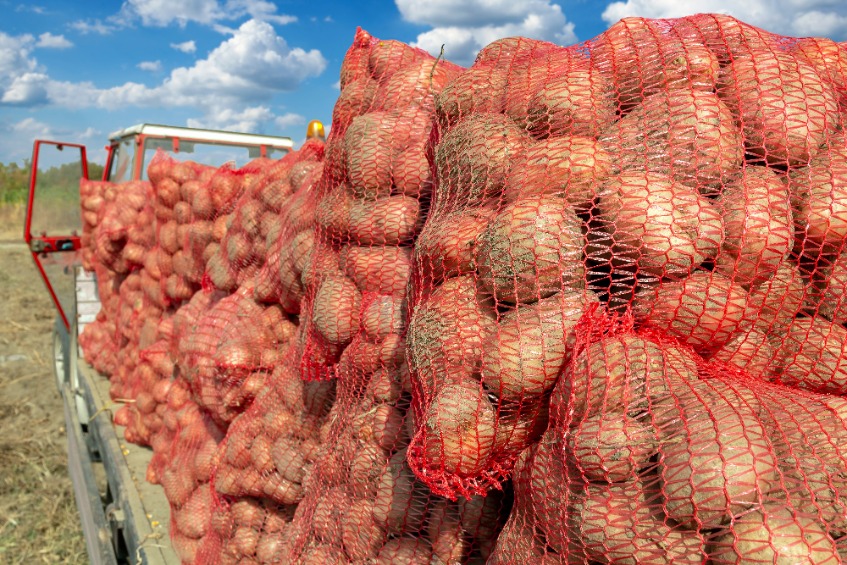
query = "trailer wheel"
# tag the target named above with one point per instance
(61, 354)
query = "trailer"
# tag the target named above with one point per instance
(124, 518)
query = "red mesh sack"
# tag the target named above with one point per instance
(101, 340)
(288, 248)
(269, 450)
(245, 530)
(184, 449)
(184, 209)
(687, 171)
(228, 354)
(655, 454)
(124, 227)
(362, 501)
(373, 194)
(92, 196)
(262, 466)
(257, 220)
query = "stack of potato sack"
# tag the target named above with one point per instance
(631, 282)
(92, 196)
(263, 466)
(119, 236)
(256, 224)
(194, 232)
(184, 449)
(280, 281)
(189, 196)
(228, 354)
(360, 500)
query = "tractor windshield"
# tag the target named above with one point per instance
(205, 152)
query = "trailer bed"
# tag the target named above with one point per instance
(125, 519)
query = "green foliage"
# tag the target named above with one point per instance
(61, 182)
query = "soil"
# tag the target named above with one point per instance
(38, 515)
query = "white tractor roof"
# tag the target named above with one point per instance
(212, 136)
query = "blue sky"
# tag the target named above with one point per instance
(76, 71)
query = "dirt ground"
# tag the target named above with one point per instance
(38, 515)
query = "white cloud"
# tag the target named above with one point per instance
(337, 85)
(822, 18)
(22, 81)
(152, 66)
(289, 120)
(247, 120)
(162, 13)
(40, 10)
(246, 69)
(16, 138)
(465, 26)
(94, 26)
(185, 46)
(48, 40)
(28, 89)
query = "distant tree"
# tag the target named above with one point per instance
(56, 182)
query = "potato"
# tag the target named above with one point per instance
(168, 237)
(473, 159)
(617, 525)
(833, 302)
(392, 220)
(380, 424)
(784, 107)
(819, 196)
(575, 100)
(719, 461)
(827, 58)
(725, 36)
(458, 430)
(758, 226)
(619, 373)
(524, 357)
(477, 90)
(703, 310)
(611, 446)
(400, 504)
(384, 270)
(336, 309)
(530, 250)
(361, 536)
(405, 551)
(808, 437)
(656, 226)
(773, 304)
(643, 61)
(412, 173)
(751, 350)
(415, 85)
(448, 328)
(519, 542)
(386, 56)
(368, 153)
(384, 315)
(445, 246)
(815, 349)
(773, 535)
(571, 167)
(445, 533)
(688, 135)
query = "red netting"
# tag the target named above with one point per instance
(184, 449)
(257, 221)
(570, 305)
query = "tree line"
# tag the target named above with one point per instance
(55, 181)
